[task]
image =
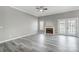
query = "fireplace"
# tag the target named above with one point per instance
(49, 30)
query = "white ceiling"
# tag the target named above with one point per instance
(51, 10)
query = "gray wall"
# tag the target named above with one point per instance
(16, 23)
(52, 19)
(2, 25)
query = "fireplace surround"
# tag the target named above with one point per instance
(49, 30)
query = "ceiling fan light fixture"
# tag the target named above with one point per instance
(41, 8)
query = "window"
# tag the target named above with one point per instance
(41, 25)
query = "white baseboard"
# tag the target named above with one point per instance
(17, 38)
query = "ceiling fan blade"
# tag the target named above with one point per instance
(37, 8)
(45, 9)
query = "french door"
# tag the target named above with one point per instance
(72, 24)
(61, 26)
(67, 26)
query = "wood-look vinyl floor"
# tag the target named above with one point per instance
(42, 43)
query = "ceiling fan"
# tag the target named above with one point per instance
(41, 8)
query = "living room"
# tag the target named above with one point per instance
(39, 28)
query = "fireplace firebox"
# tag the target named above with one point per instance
(49, 30)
